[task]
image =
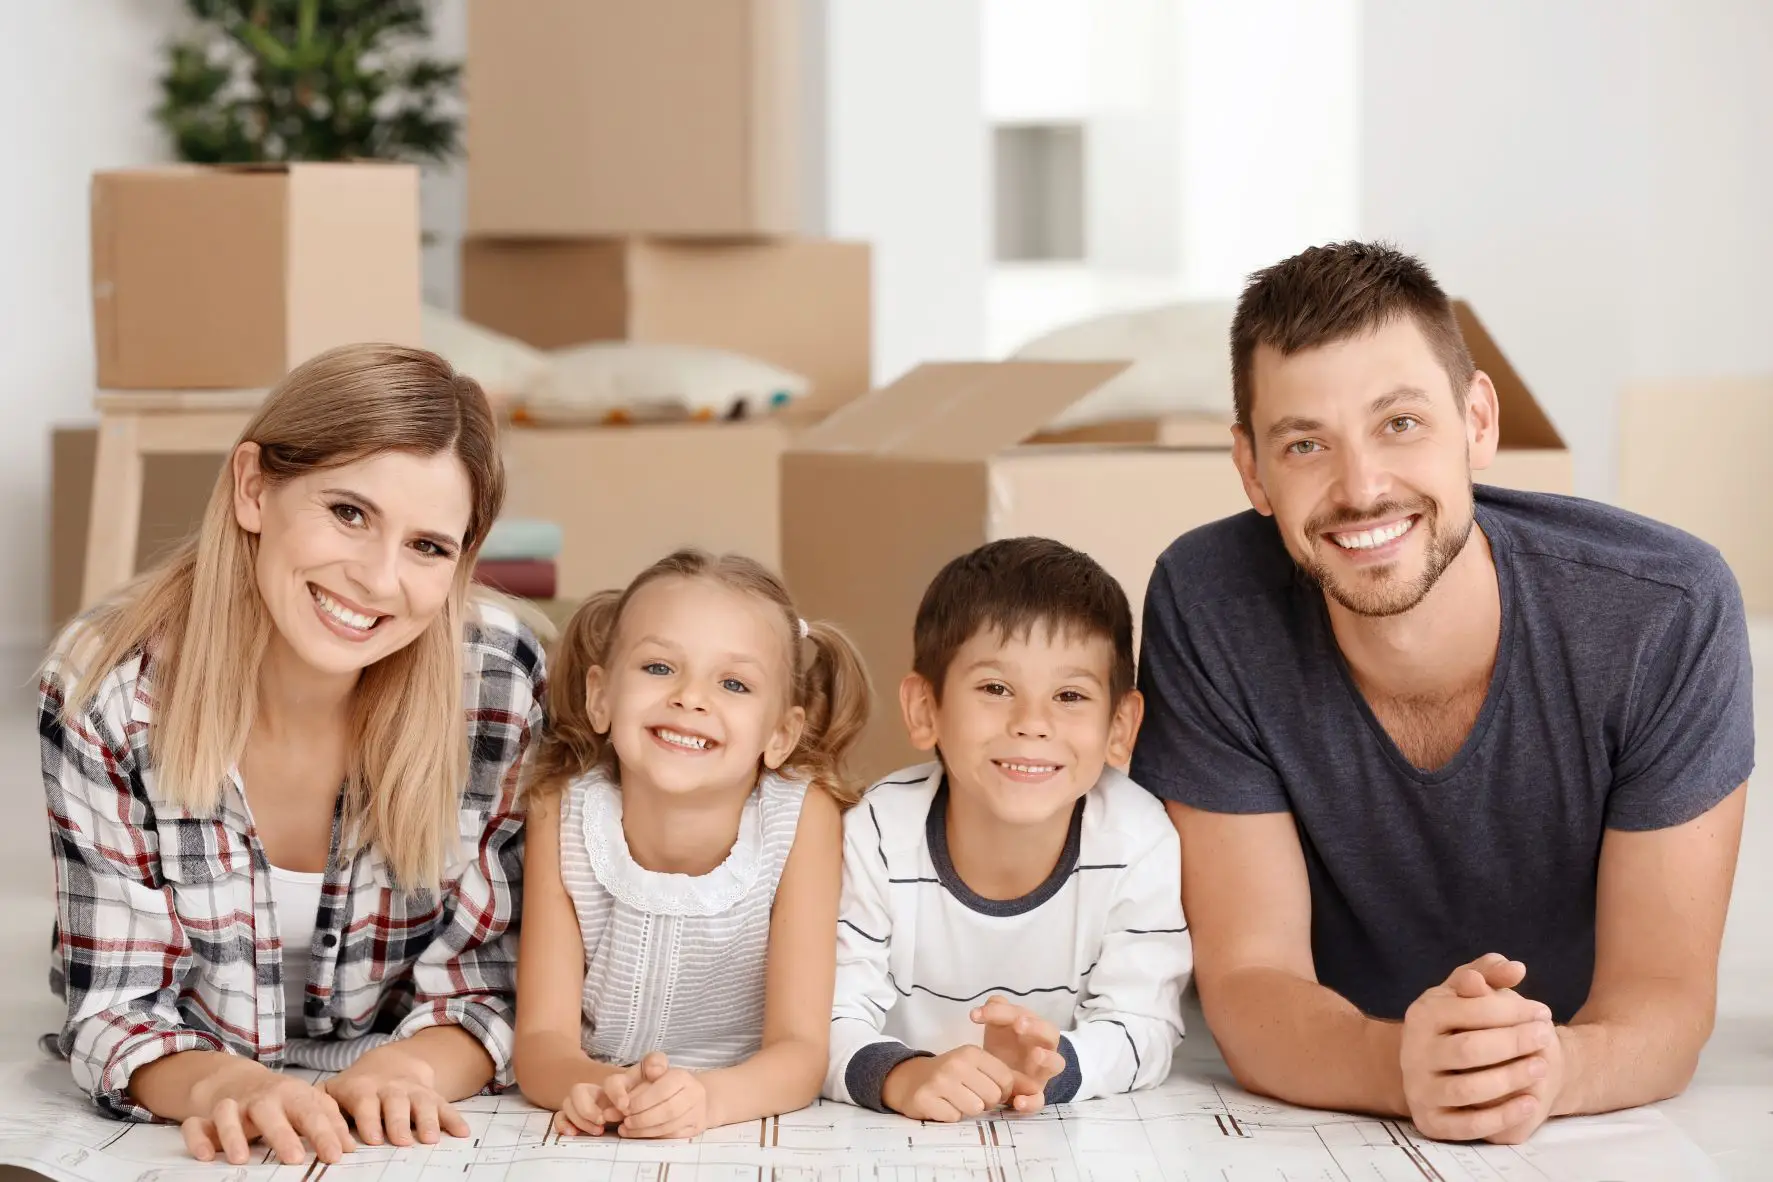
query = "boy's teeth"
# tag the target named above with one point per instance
(1032, 769)
(341, 613)
(1367, 539)
(681, 740)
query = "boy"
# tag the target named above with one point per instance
(1011, 930)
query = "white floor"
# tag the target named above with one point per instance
(1727, 1110)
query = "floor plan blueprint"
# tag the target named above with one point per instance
(1191, 1129)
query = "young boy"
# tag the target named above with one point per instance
(1011, 930)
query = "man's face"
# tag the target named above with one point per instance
(1363, 455)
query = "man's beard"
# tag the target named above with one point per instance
(1378, 592)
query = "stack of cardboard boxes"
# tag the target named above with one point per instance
(633, 175)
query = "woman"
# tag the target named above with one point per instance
(281, 772)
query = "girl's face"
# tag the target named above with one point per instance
(697, 689)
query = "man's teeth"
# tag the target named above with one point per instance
(679, 739)
(343, 614)
(1367, 539)
(1032, 769)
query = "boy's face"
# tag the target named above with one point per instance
(1025, 724)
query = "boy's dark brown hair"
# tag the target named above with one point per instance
(1010, 586)
(1330, 293)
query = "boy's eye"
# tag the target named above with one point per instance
(996, 689)
(656, 669)
(1070, 697)
(734, 685)
(348, 513)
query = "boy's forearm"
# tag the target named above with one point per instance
(549, 1066)
(1295, 1040)
(782, 1077)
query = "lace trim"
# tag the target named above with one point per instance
(713, 893)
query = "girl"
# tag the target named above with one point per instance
(683, 861)
(281, 774)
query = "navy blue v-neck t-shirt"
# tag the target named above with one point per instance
(1621, 698)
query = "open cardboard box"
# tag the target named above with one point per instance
(880, 495)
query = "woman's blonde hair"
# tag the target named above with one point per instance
(199, 622)
(831, 685)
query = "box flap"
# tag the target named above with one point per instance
(960, 410)
(1524, 422)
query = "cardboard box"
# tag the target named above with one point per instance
(804, 304)
(175, 490)
(633, 116)
(880, 495)
(627, 496)
(226, 278)
(1690, 454)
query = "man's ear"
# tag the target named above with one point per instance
(917, 703)
(1243, 455)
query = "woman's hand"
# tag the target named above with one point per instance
(392, 1097)
(247, 1101)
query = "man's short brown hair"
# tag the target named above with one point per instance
(1010, 587)
(1330, 293)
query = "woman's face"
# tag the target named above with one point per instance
(355, 562)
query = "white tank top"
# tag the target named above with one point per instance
(674, 962)
(296, 896)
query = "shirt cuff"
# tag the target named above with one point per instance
(111, 1090)
(868, 1068)
(1062, 1088)
(487, 1020)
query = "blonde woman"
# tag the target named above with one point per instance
(281, 773)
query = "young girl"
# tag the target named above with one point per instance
(683, 858)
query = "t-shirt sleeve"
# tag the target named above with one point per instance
(1689, 738)
(1196, 746)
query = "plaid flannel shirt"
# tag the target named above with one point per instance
(166, 933)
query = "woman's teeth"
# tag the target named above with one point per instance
(343, 614)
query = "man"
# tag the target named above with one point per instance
(1459, 777)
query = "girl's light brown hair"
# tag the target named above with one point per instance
(831, 685)
(202, 625)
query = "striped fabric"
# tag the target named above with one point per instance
(674, 962)
(166, 930)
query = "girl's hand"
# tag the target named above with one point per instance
(586, 1112)
(669, 1103)
(248, 1102)
(390, 1094)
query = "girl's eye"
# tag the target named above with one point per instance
(656, 669)
(348, 513)
(1300, 447)
(734, 686)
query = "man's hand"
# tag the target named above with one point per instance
(964, 1082)
(1024, 1042)
(1476, 1056)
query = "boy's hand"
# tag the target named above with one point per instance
(1024, 1042)
(964, 1082)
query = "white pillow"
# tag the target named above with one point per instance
(633, 381)
(506, 368)
(1181, 355)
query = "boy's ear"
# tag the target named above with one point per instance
(917, 703)
(785, 738)
(1123, 728)
(596, 700)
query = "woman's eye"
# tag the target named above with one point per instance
(348, 513)
(431, 549)
(656, 668)
(735, 686)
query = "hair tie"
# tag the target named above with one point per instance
(802, 629)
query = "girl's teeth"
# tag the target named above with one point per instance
(682, 740)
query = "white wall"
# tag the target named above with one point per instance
(75, 96)
(1594, 175)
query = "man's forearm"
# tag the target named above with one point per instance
(1638, 1044)
(1294, 1040)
